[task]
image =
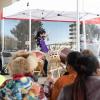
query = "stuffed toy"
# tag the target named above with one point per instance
(40, 56)
(54, 59)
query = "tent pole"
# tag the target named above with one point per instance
(84, 34)
(84, 31)
(30, 30)
(2, 39)
(78, 29)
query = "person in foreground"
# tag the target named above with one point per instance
(87, 83)
(21, 85)
(66, 79)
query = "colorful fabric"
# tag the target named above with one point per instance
(22, 89)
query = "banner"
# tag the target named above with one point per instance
(93, 21)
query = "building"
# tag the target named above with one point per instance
(72, 35)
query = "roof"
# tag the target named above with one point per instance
(53, 10)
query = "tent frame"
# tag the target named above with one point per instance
(30, 18)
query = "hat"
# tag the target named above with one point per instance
(63, 54)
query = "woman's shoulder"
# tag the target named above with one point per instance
(68, 88)
(93, 87)
(93, 79)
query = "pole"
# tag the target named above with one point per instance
(84, 34)
(29, 30)
(78, 29)
(2, 39)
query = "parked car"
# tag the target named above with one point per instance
(6, 56)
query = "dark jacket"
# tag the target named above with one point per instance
(93, 89)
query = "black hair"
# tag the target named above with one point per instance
(41, 31)
(72, 58)
(85, 66)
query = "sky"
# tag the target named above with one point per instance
(8, 25)
(58, 32)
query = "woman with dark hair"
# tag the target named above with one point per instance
(87, 83)
(40, 37)
(70, 77)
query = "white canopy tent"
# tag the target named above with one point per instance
(52, 10)
(63, 10)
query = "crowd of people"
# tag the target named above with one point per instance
(81, 81)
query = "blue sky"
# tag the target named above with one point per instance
(57, 31)
(9, 24)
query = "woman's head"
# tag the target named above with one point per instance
(41, 33)
(87, 65)
(87, 52)
(72, 58)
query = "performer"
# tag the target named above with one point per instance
(40, 37)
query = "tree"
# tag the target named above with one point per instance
(21, 32)
(10, 43)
